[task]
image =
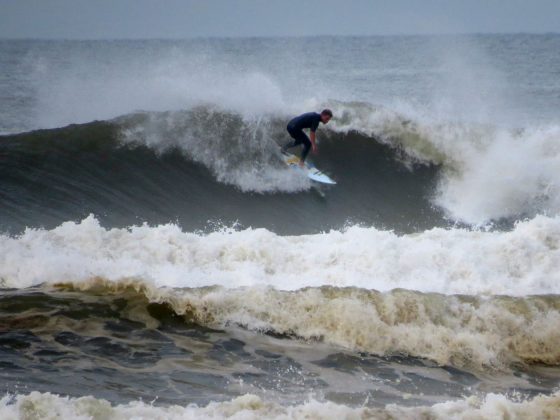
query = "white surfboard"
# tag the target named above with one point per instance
(311, 171)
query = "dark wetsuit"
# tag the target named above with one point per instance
(295, 127)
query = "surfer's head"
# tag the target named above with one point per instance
(326, 115)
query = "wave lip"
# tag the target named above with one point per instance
(489, 172)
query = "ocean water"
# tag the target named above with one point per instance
(158, 260)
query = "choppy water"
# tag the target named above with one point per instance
(157, 258)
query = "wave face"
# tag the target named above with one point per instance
(392, 172)
(201, 166)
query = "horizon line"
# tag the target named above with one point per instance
(223, 37)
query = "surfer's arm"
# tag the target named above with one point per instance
(312, 138)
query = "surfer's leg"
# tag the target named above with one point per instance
(296, 136)
(306, 147)
(301, 138)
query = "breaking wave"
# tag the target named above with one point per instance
(160, 166)
(450, 295)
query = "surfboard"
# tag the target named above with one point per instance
(310, 170)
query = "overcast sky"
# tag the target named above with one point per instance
(109, 19)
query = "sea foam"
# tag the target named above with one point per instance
(490, 172)
(523, 261)
(250, 406)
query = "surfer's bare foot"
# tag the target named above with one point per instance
(301, 163)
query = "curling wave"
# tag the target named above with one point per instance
(205, 165)
(393, 170)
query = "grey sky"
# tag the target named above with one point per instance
(94, 19)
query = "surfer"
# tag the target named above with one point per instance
(295, 128)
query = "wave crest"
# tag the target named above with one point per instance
(462, 331)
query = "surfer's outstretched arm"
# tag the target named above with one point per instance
(313, 144)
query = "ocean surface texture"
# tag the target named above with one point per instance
(158, 260)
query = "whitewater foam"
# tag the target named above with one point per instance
(238, 149)
(521, 262)
(490, 172)
(249, 406)
(272, 282)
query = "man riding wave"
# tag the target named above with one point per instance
(295, 128)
